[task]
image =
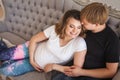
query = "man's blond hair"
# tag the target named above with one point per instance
(95, 13)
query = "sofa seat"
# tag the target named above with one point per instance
(33, 76)
(13, 38)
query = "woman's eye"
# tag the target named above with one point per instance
(71, 26)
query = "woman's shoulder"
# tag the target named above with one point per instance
(79, 38)
(50, 31)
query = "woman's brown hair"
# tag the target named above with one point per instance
(61, 26)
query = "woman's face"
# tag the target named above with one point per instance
(73, 28)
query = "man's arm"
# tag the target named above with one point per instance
(108, 72)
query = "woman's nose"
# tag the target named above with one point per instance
(74, 30)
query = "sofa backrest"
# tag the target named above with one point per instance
(114, 23)
(25, 18)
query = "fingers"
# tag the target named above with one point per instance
(69, 74)
(68, 69)
(37, 67)
(73, 67)
(48, 67)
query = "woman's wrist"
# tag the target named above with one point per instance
(57, 67)
(53, 66)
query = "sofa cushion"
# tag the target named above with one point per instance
(34, 76)
(114, 23)
(13, 38)
(7, 42)
(118, 30)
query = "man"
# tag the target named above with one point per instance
(102, 56)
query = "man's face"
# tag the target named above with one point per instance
(87, 25)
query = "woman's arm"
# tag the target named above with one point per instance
(79, 58)
(32, 46)
(78, 61)
(57, 67)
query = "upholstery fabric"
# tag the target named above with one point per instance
(12, 38)
(117, 76)
(25, 18)
(28, 17)
(114, 23)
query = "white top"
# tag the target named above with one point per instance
(50, 51)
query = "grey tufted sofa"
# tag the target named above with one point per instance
(25, 18)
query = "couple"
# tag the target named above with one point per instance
(95, 58)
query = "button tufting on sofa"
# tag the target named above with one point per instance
(25, 18)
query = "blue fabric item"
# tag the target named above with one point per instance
(15, 60)
(61, 77)
(15, 68)
(6, 54)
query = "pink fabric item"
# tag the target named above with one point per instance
(19, 52)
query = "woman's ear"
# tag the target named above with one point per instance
(2, 11)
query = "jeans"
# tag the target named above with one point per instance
(61, 77)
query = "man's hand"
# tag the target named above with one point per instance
(73, 71)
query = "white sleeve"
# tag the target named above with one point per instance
(48, 32)
(80, 45)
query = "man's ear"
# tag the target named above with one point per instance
(2, 11)
(96, 24)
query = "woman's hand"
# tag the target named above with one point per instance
(57, 67)
(48, 67)
(36, 66)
